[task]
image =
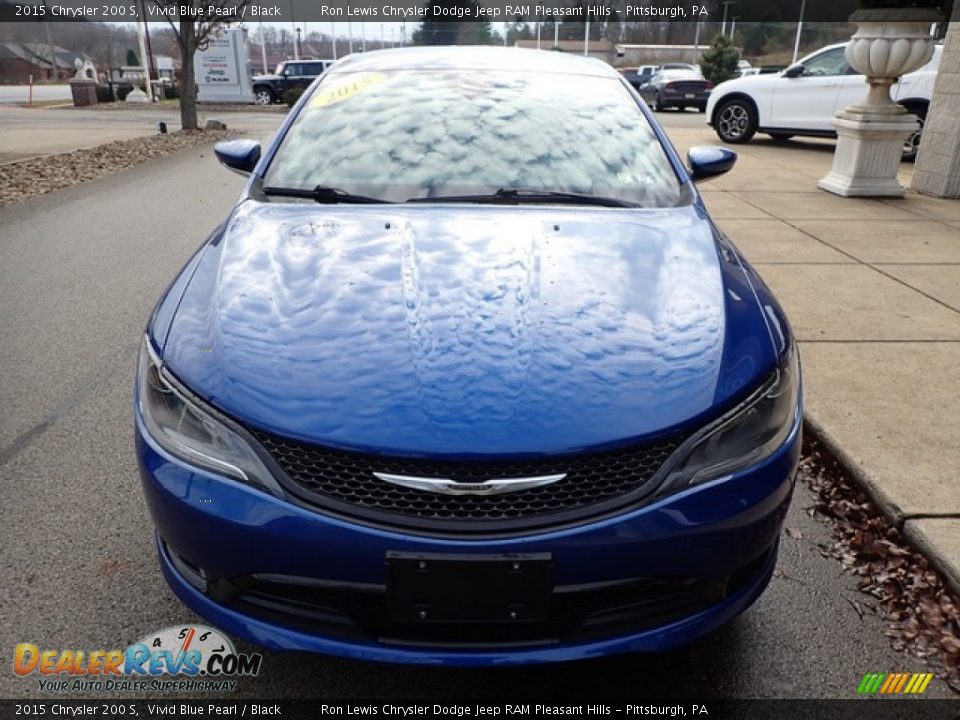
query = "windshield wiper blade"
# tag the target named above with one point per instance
(514, 196)
(323, 194)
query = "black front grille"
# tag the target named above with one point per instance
(345, 482)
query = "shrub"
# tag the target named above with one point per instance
(104, 94)
(291, 96)
(719, 62)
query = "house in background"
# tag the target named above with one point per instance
(20, 61)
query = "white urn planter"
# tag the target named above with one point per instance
(871, 134)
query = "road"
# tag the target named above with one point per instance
(19, 94)
(27, 132)
(80, 270)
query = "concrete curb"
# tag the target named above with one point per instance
(914, 535)
(930, 548)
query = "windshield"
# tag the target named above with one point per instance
(419, 134)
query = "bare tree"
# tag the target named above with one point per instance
(192, 35)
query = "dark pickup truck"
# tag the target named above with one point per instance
(290, 74)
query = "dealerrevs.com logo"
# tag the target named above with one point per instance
(177, 658)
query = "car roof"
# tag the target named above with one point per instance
(472, 58)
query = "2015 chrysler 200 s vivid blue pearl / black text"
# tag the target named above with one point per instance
(468, 376)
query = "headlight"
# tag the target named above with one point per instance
(191, 433)
(746, 436)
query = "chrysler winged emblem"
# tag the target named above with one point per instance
(446, 486)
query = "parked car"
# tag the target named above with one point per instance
(803, 99)
(679, 66)
(638, 76)
(677, 88)
(289, 75)
(488, 391)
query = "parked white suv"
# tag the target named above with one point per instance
(803, 99)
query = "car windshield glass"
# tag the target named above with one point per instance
(407, 134)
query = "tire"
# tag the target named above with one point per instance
(736, 121)
(781, 137)
(702, 108)
(912, 143)
(264, 96)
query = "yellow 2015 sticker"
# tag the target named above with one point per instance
(346, 88)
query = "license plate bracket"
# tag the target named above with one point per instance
(453, 588)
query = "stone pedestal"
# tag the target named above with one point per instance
(84, 91)
(889, 42)
(867, 158)
(137, 96)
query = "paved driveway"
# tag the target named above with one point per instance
(27, 132)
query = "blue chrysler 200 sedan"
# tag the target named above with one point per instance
(468, 376)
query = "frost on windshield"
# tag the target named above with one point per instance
(430, 133)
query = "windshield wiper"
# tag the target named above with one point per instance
(514, 196)
(323, 194)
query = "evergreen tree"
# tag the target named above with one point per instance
(132, 59)
(445, 29)
(719, 62)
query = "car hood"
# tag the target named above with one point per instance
(468, 330)
(744, 84)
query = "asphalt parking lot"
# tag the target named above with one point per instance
(80, 270)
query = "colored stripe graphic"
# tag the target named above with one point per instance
(894, 683)
(870, 683)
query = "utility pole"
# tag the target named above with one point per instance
(151, 69)
(538, 34)
(726, 6)
(293, 28)
(696, 36)
(263, 49)
(586, 39)
(333, 38)
(143, 54)
(796, 43)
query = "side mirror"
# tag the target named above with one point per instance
(241, 156)
(793, 71)
(707, 161)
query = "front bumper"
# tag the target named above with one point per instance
(287, 577)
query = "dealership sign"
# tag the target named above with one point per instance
(223, 68)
